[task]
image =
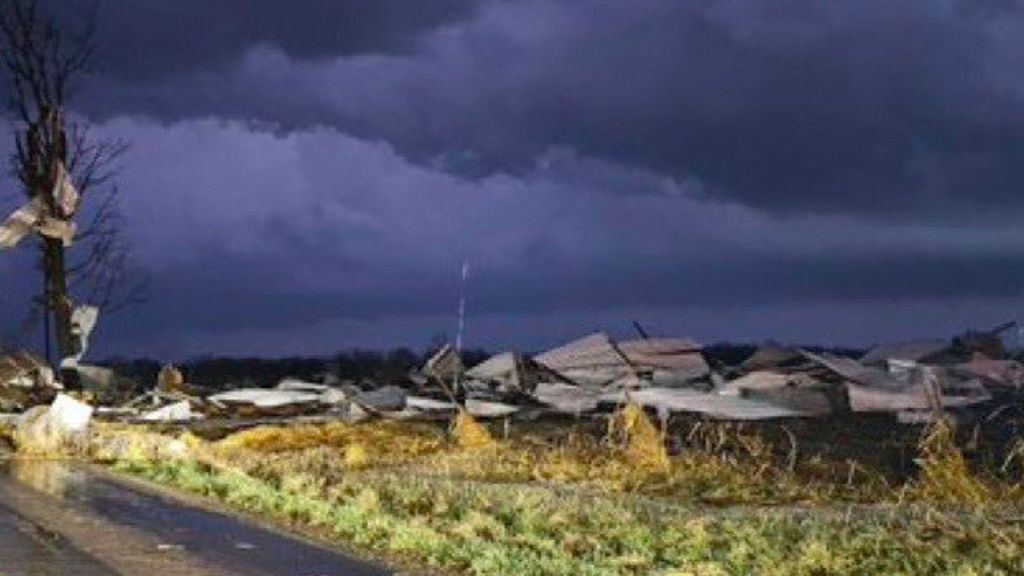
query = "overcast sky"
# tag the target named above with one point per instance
(307, 176)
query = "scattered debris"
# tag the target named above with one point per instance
(567, 398)
(261, 401)
(25, 381)
(176, 412)
(921, 352)
(106, 386)
(511, 374)
(596, 360)
(485, 409)
(429, 404)
(445, 365)
(913, 383)
(674, 400)
(55, 429)
(388, 398)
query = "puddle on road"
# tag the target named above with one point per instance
(27, 549)
(229, 542)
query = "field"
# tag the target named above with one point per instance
(606, 497)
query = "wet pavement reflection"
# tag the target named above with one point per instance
(224, 543)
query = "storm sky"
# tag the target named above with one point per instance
(307, 176)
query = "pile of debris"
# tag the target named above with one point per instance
(912, 382)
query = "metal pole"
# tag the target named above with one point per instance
(462, 325)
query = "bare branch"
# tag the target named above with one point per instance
(44, 58)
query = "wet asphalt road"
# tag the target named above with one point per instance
(57, 519)
(26, 549)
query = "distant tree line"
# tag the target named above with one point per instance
(387, 367)
(380, 367)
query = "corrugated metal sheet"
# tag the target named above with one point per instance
(596, 352)
(711, 405)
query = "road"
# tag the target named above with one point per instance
(58, 519)
(25, 548)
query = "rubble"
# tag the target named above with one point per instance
(716, 406)
(177, 412)
(921, 352)
(567, 398)
(910, 382)
(55, 429)
(445, 365)
(486, 409)
(1007, 374)
(253, 401)
(422, 404)
(25, 381)
(915, 396)
(799, 391)
(104, 384)
(512, 374)
(596, 360)
(388, 398)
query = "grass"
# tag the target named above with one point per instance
(512, 529)
(615, 503)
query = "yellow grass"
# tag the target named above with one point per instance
(642, 441)
(378, 443)
(718, 463)
(945, 476)
(469, 433)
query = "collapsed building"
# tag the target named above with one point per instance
(908, 382)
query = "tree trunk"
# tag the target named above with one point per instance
(61, 305)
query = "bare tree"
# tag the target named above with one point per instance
(44, 60)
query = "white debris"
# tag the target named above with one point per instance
(176, 412)
(334, 397)
(485, 409)
(761, 380)
(712, 405)
(48, 430)
(65, 195)
(58, 229)
(429, 404)
(566, 398)
(19, 224)
(83, 322)
(69, 415)
(302, 386)
(265, 398)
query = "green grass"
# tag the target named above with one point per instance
(576, 503)
(486, 528)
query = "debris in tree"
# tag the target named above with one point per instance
(83, 322)
(20, 224)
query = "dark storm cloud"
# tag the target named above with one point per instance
(143, 40)
(241, 297)
(872, 107)
(309, 174)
